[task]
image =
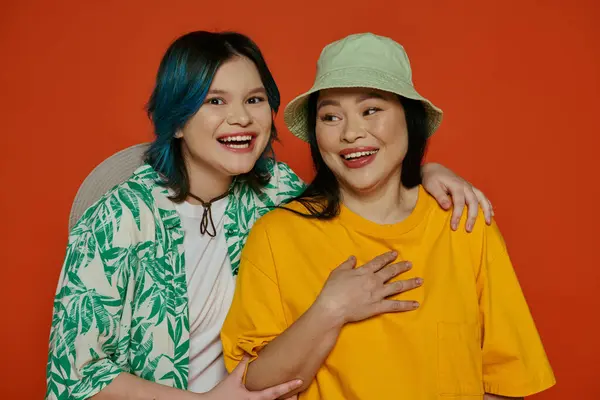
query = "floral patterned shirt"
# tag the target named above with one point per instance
(121, 303)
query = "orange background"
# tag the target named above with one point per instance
(518, 80)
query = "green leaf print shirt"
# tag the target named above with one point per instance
(121, 303)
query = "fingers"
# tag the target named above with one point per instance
(348, 264)
(458, 198)
(379, 262)
(390, 271)
(276, 392)
(387, 306)
(439, 194)
(473, 208)
(486, 205)
(401, 286)
(238, 372)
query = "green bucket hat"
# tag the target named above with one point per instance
(361, 60)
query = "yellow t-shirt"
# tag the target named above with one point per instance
(473, 332)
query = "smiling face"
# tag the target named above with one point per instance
(362, 136)
(233, 127)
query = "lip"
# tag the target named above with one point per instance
(358, 162)
(238, 150)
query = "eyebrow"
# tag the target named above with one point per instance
(253, 91)
(327, 103)
(370, 95)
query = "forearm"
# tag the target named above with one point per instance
(130, 387)
(297, 353)
(488, 396)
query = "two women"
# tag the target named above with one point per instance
(150, 269)
(460, 327)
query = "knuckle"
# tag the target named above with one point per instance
(382, 259)
(392, 270)
(400, 286)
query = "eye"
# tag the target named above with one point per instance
(256, 100)
(330, 118)
(216, 101)
(371, 111)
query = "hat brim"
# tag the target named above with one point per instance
(295, 114)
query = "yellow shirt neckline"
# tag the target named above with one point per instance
(422, 208)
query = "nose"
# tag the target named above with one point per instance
(238, 115)
(354, 129)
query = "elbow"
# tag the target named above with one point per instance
(253, 381)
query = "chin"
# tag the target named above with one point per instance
(362, 185)
(238, 168)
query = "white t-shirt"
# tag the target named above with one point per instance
(210, 292)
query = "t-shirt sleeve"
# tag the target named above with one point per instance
(256, 315)
(514, 360)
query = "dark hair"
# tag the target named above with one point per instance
(182, 82)
(322, 197)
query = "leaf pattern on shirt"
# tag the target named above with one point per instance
(121, 303)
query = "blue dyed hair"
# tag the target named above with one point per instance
(184, 77)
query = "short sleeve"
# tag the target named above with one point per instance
(514, 361)
(87, 310)
(256, 316)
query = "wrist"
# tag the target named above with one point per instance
(427, 167)
(328, 315)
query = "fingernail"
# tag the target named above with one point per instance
(419, 281)
(454, 225)
(415, 304)
(408, 265)
(469, 227)
(394, 253)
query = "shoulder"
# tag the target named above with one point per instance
(283, 223)
(283, 185)
(120, 209)
(284, 182)
(273, 233)
(483, 241)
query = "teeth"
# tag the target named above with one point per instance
(239, 146)
(236, 138)
(359, 154)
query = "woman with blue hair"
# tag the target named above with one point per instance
(150, 268)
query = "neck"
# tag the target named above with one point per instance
(387, 203)
(205, 181)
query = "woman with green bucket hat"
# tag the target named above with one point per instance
(459, 328)
(150, 267)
